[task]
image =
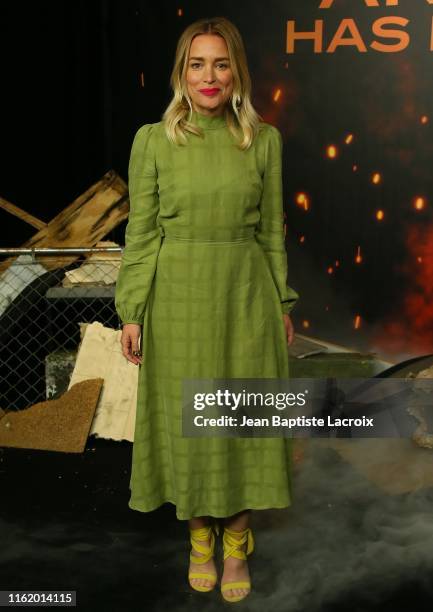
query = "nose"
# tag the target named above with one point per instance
(209, 74)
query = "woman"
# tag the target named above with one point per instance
(202, 287)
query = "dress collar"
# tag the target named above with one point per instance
(207, 122)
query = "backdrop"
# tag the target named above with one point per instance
(349, 83)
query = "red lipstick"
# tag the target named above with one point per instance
(209, 92)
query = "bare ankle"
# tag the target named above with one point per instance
(198, 521)
(239, 521)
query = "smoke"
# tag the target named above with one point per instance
(346, 536)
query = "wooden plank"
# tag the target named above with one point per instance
(83, 223)
(21, 214)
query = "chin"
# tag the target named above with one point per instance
(210, 104)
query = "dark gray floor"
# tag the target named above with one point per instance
(343, 544)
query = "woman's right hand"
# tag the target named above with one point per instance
(130, 342)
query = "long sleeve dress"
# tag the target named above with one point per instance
(204, 271)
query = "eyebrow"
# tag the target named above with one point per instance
(217, 59)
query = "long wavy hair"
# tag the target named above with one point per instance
(241, 118)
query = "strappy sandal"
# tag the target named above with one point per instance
(197, 536)
(232, 547)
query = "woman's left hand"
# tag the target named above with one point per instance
(289, 328)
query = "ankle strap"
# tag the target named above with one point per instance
(233, 540)
(202, 534)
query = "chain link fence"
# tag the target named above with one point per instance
(45, 294)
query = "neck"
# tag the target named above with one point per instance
(208, 121)
(210, 112)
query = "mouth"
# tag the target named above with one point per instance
(209, 92)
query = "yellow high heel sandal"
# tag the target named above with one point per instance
(202, 534)
(232, 541)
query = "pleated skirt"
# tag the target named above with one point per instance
(213, 312)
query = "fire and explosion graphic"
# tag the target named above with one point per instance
(412, 324)
(357, 131)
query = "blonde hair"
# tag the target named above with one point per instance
(241, 118)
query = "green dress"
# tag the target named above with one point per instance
(204, 271)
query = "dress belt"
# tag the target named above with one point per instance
(250, 235)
